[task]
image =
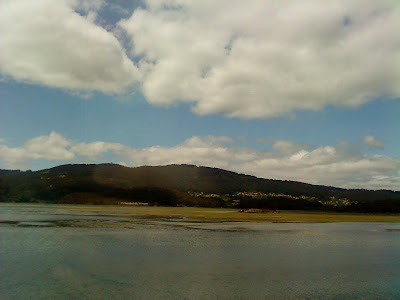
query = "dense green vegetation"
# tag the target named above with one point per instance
(183, 185)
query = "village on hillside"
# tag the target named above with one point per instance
(233, 200)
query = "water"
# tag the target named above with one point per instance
(67, 253)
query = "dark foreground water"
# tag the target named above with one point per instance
(64, 253)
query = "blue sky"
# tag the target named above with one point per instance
(146, 83)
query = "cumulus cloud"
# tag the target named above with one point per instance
(262, 59)
(48, 43)
(244, 59)
(373, 142)
(51, 147)
(96, 149)
(325, 164)
(87, 5)
(289, 147)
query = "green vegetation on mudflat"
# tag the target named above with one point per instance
(226, 215)
(223, 214)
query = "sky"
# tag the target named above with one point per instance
(303, 90)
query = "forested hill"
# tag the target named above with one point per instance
(62, 184)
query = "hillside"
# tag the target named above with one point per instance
(172, 185)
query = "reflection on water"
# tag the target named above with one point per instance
(72, 253)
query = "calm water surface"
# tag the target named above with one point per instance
(56, 252)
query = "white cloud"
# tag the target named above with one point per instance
(327, 165)
(87, 5)
(289, 147)
(46, 42)
(262, 59)
(51, 147)
(373, 142)
(96, 149)
(244, 59)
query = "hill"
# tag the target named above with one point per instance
(176, 185)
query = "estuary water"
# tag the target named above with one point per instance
(69, 252)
